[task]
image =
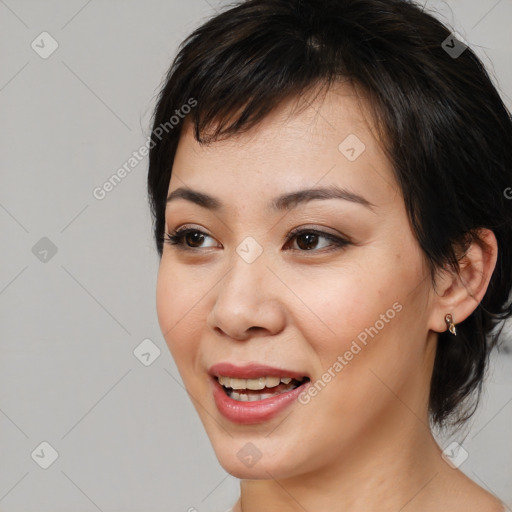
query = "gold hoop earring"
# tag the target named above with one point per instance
(450, 324)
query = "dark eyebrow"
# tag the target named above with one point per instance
(291, 200)
(283, 202)
(193, 196)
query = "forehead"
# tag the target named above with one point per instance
(325, 140)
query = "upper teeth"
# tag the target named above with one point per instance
(255, 384)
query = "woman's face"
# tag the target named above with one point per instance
(346, 302)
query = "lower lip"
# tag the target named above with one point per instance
(246, 413)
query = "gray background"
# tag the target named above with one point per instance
(126, 434)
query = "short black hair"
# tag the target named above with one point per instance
(443, 124)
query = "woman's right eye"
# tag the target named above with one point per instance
(182, 237)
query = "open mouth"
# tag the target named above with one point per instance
(261, 388)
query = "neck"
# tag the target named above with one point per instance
(395, 466)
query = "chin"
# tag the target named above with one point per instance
(261, 470)
(256, 458)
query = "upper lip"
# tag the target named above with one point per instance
(251, 371)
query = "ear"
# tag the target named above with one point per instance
(460, 295)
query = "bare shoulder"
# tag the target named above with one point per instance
(498, 506)
(471, 497)
(487, 501)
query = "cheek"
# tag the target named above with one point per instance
(364, 338)
(337, 306)
(177, 310)
(359, 321)
(165, 299)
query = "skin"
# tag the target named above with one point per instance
(363, 443)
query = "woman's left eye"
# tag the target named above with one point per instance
(306, 239)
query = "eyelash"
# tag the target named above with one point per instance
(177, 237)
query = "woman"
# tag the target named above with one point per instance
(328, 183)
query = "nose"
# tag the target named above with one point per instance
(248, 301)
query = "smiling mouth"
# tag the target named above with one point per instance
(261, 388)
